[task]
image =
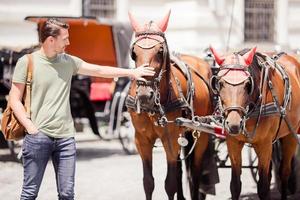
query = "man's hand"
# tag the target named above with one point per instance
(32, 130)
(143, 70)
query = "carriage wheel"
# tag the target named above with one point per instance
(104, 131)
(253, 163)
(221, 152)
(126, 134)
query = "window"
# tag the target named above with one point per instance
(259, 20)
(99, 8)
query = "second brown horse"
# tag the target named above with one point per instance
(259, 97)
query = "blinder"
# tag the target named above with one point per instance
(251, 85)
(132, 53)
(214, 84)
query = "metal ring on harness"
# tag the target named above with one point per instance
(196, 136)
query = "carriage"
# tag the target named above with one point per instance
(98, 102)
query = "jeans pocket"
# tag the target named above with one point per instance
(34, 139)
(36, 145)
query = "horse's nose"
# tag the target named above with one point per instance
(143, 98)
(146, 97)
(234, 128)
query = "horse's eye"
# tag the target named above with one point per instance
(161, 50)
(159, 55)
(249, 86)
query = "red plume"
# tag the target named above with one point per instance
(218, 59)
(163, 24)
(248, 57)
(135, 25)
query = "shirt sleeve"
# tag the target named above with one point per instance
(20, 72)
(77, 64)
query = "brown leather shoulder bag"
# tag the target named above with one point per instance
(11, 128)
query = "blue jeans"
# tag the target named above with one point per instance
(37, 149)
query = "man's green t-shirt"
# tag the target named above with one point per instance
(51, 84)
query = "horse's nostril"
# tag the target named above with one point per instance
(234, 129)
(151, 94)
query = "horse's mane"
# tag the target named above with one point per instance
(168, 61)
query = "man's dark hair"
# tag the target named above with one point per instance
(52, 28)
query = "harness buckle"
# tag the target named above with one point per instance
(282, 111)
(162, 121)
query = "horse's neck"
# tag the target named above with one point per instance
(273, 75)
(175, 84)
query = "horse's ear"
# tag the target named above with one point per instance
(134, 23)
(218, 58)
(163, 24)
(248, 57)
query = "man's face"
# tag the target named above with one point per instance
(61, 41)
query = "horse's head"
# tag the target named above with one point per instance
(234, 84)
(150, 48)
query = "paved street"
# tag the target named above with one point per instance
(105, 172)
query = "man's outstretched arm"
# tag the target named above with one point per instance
(111, 72)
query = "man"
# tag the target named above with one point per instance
(50, 128)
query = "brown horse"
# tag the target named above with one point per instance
(155, 102)
(259, 101)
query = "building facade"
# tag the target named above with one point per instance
(193, 26)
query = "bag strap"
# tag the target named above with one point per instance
(27, 94)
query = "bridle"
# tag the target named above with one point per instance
(215, 85)
(154, 83)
